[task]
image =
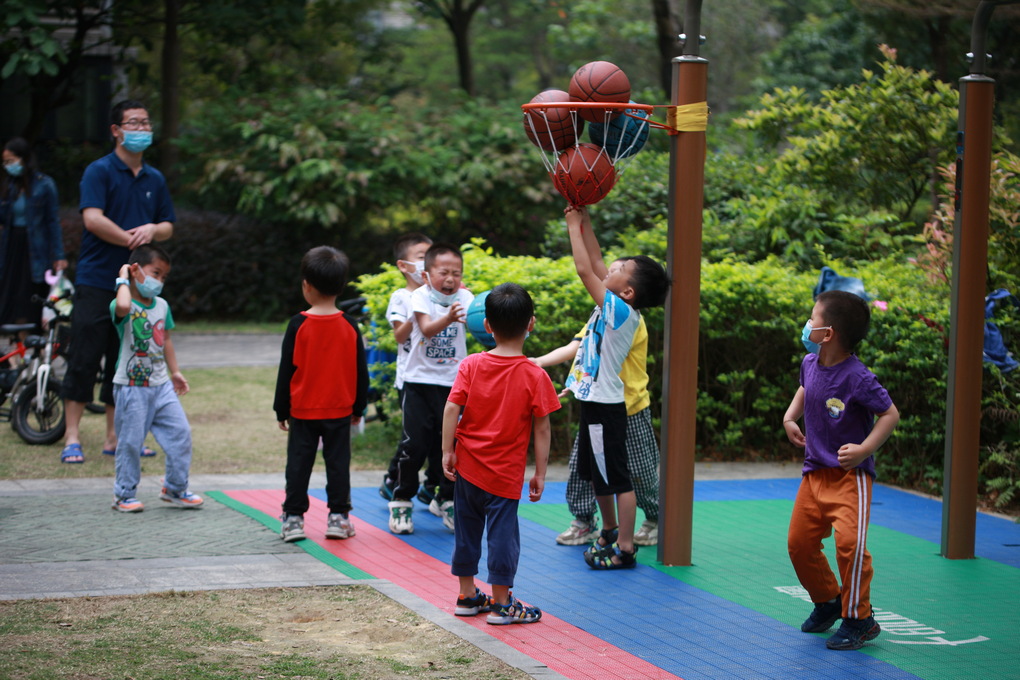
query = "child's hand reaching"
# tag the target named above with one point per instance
(456, 314)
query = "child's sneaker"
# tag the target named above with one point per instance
(426, 493)
(184, 499)
(648, 534)
(514, 612)
(443, 510)
(127, 505)
(578, 533)
(338, 526)
(386, 488)
(823, 616)
(293, 528)
(400, 517)
(469, 606)
(854, 633)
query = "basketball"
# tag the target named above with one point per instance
(475, 317)
(584, 174)
(623, 136)
(599, 81)
(552, 129)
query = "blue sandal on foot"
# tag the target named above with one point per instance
(72, 451)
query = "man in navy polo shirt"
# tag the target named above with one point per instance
(124, 203)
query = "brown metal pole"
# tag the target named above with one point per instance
(680, 379)
(966, 340)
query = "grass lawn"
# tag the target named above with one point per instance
(233, 426)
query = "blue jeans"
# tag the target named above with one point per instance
(150, 409)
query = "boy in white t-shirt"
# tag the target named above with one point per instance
(619, 291)
(438, 346)
(409, 251)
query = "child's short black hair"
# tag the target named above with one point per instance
(649, 281)
(408, 241)
(147, 253)
(437, 249)
(325, 269)
(848, 314)
(117, 112)
(508, 309)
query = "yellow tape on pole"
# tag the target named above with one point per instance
(688, 118)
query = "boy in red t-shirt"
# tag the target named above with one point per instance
(321, 390)
(499, 396)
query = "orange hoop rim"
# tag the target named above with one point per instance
(613, 106)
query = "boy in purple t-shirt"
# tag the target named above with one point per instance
(848, 415)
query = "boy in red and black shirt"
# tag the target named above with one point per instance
(321, 390)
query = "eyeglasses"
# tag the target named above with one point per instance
(135, 124)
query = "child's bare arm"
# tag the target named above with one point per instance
(852, 455)
(542, 436)
(430, 327)
(450, 415)
(591, 243)
(123, 297)
(793, 413)
(558, 355)
(181, 386)
(582, 258)
(402, 330)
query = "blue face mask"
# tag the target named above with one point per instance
(805, 337)
(137, 141)
(14, 169)
(150, 287)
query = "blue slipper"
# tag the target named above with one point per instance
(72, 451)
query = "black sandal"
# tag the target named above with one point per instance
(605, 561)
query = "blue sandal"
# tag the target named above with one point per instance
(596, 549)
(72, 451)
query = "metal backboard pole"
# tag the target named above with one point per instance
(680, 365)
(970, 262)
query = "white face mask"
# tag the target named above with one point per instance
(440, 298)
(419, 268)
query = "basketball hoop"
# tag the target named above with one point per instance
(584, 172)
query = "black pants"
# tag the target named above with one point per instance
(433, 472)
(93, 337)
(422, 439)
(302, 446)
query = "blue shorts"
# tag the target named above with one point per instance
(477, 511)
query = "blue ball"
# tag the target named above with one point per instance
(624, 135)
(475, 317)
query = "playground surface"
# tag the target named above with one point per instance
(734, 614)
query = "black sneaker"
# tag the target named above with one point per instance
(386, 488)
(854, 633)
(824, 615)
(469, 606)
(426, 493)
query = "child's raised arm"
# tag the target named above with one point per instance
(579, 247)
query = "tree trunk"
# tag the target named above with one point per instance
(170, 91)
(667, 29)
(460, 27)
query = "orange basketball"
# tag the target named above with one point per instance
(551, 129)
(599, 81)
(584, 174)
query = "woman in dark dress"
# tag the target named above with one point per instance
(30, 237)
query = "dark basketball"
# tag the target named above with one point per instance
(584, 174)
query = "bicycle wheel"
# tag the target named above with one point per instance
(39, 425)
